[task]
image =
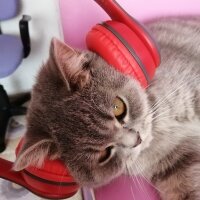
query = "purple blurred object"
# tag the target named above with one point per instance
(11, 54)
(12, 50)
(87, 194)
(8, 9)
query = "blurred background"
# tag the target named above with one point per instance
(44, 24)
(70, 20)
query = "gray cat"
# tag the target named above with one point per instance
(102, 123)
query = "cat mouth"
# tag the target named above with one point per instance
(138, 141)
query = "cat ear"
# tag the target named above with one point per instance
(35, 154)
(71, 64)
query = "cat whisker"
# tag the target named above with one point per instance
(166, 109)
(140, 186)
(133, 180)
(141, 181)
(161, 114)
(128, 170)
(160, 101)
(139, 165)
(136, 178)
(146, 192)
(92, 107)
(132, 193)
(78, 157)
(97, 106)
(157, 104)
(148, 86)
(167, 115)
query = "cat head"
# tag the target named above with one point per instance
(86, 113)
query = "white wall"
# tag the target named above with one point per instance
(44, 25)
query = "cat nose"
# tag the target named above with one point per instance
(130, 140)
(127, 128)
(130, 137)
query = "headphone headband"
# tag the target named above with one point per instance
(117, 13)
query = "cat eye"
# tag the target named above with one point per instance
(119, 108)
(105, 155)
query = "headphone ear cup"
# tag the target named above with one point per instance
(112, 41)
(52, 180)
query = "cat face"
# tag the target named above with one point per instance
(95, 119)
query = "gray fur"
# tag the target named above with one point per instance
(78, 118)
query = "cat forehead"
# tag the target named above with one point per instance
(108, 78)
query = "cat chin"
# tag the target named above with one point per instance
(134, 155)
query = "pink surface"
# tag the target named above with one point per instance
(126, 188)
(78, 16)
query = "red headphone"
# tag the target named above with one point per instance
(125, 45)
